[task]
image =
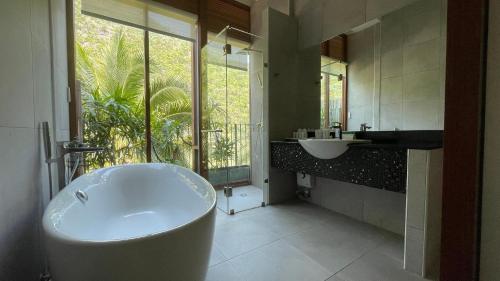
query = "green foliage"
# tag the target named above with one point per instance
(110, 68)
(113, 112)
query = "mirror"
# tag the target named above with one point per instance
(392, 68)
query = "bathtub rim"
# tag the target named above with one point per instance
(50, 231)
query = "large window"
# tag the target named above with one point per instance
(113, 67)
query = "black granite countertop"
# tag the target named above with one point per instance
(419, 139)
(379, 164)
(421, 146)
(374, 167)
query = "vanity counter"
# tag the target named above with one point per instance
(421, 146)
(381, 164)
(383, 168)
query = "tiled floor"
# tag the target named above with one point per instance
(302, 242)
(244, 198)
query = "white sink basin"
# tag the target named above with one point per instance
(327, 148)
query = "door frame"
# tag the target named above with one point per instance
(467, 23)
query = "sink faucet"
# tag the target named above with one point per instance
(364, 127)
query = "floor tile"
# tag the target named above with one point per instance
(278, 262)
(241, 236)
(332, 248)
(216, 256)
(285, 222)
(308, 210)
(223, 272)
(335, 278)
(393, 246)
(223, 218)
(375, 267)
(300, 241)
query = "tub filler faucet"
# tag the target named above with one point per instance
(74, 149)
(67, 169)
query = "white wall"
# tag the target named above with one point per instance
(396, 70)
(490, 228)
(26, 99)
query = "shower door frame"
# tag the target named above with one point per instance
(202, 162)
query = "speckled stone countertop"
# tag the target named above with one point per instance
(380, 164)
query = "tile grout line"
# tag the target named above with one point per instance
(358, 258)
(280, 238)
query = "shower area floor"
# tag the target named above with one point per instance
(244, 198)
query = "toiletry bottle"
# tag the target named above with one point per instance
(337, 128)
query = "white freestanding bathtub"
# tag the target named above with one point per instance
(142, 222)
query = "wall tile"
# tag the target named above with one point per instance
(421, 57)
(19, 205)
(391, 62)
(422, 6)
(40, 21)
(42, 83)
(421, 114)
(392, 31)
(414, 250)
(16, 81)
(391, 116)
(423, 26)
(385, 209)
(423, 85)
(342, 197)
(416, 190)
(392, 90)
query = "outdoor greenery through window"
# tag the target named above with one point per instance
(110, 69)
(226, 128)
(332, 87)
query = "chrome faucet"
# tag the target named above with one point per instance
(74, 149)
(364, 127)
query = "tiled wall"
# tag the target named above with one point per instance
(290, 93)
(361, 72)
(397, 67)
(26, 99)
(385, 209)
(320, 20)
(490, 228)
(423, 212)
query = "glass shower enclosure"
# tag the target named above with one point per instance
(231, 122)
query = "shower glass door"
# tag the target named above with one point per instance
(229, 127)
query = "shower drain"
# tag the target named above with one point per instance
(243, 194)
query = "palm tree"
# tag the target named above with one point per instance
(113, 111)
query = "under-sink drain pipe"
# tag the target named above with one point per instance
(305, 183)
